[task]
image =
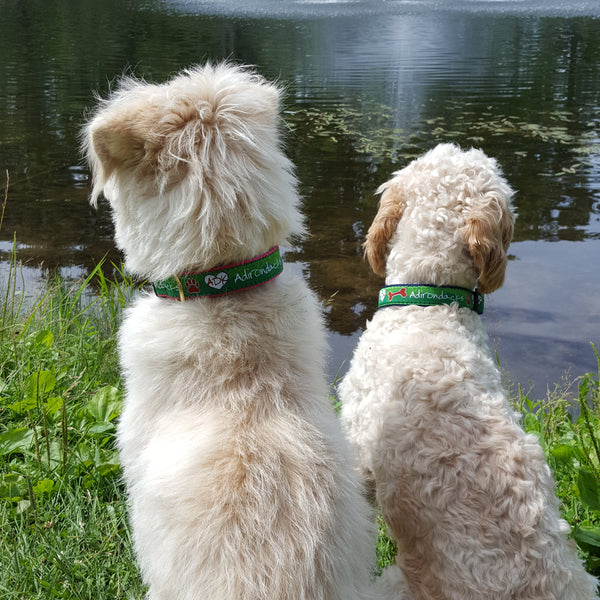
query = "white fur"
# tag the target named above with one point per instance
(240, 481)
(465, 492)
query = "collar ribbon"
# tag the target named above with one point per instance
(222, 280)
(429, 295)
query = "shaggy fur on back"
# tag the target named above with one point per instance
(465, 492)
(240, 481)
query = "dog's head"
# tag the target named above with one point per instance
(193, 170)
(445, 219)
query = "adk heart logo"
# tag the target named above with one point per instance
(216, 281)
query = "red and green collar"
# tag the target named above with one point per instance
(222, 280)
(430, 295)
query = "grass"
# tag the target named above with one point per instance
(64, 530)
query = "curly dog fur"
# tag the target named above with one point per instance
(240, 480)
(465, 492)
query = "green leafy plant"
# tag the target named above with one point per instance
(569, 431)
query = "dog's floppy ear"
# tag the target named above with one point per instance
(391, 207)
(488, 233)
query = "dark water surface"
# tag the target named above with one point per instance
(370, 84)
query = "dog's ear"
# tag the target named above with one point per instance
(156, 132)
(488, 234)
(118, 140)
(391, 207)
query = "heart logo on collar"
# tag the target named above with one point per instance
(216, 281)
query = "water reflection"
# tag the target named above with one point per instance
(370, 85)
(340, 8)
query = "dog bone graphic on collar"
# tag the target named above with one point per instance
(430, 295)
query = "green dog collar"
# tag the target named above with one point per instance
(223, 280)
(429, 295)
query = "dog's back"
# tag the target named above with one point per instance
(465, 491)
(239, 480)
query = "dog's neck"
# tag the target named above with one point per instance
(429, 295)
(430, 256)
(222, 280)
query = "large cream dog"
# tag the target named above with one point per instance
(240, 481)
(465, 492)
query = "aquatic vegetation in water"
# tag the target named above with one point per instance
(371, 132)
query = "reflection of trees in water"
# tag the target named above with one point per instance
(338, 191)
(526, 90)
(55, 232)
(539, 122)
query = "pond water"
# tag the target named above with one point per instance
(370, 85)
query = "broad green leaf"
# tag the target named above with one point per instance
(44, 338)
(45, 486)
(53, 404)
(589, 489)
(105, 405)
(15, 440)
(100, 428)
(108, 469)
(588, 538)
(566, 454)
(22, 406)
(42, 382)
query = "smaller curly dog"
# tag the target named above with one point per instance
(465, 492)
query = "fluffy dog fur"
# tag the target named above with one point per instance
(466, 493)
(239, 477)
